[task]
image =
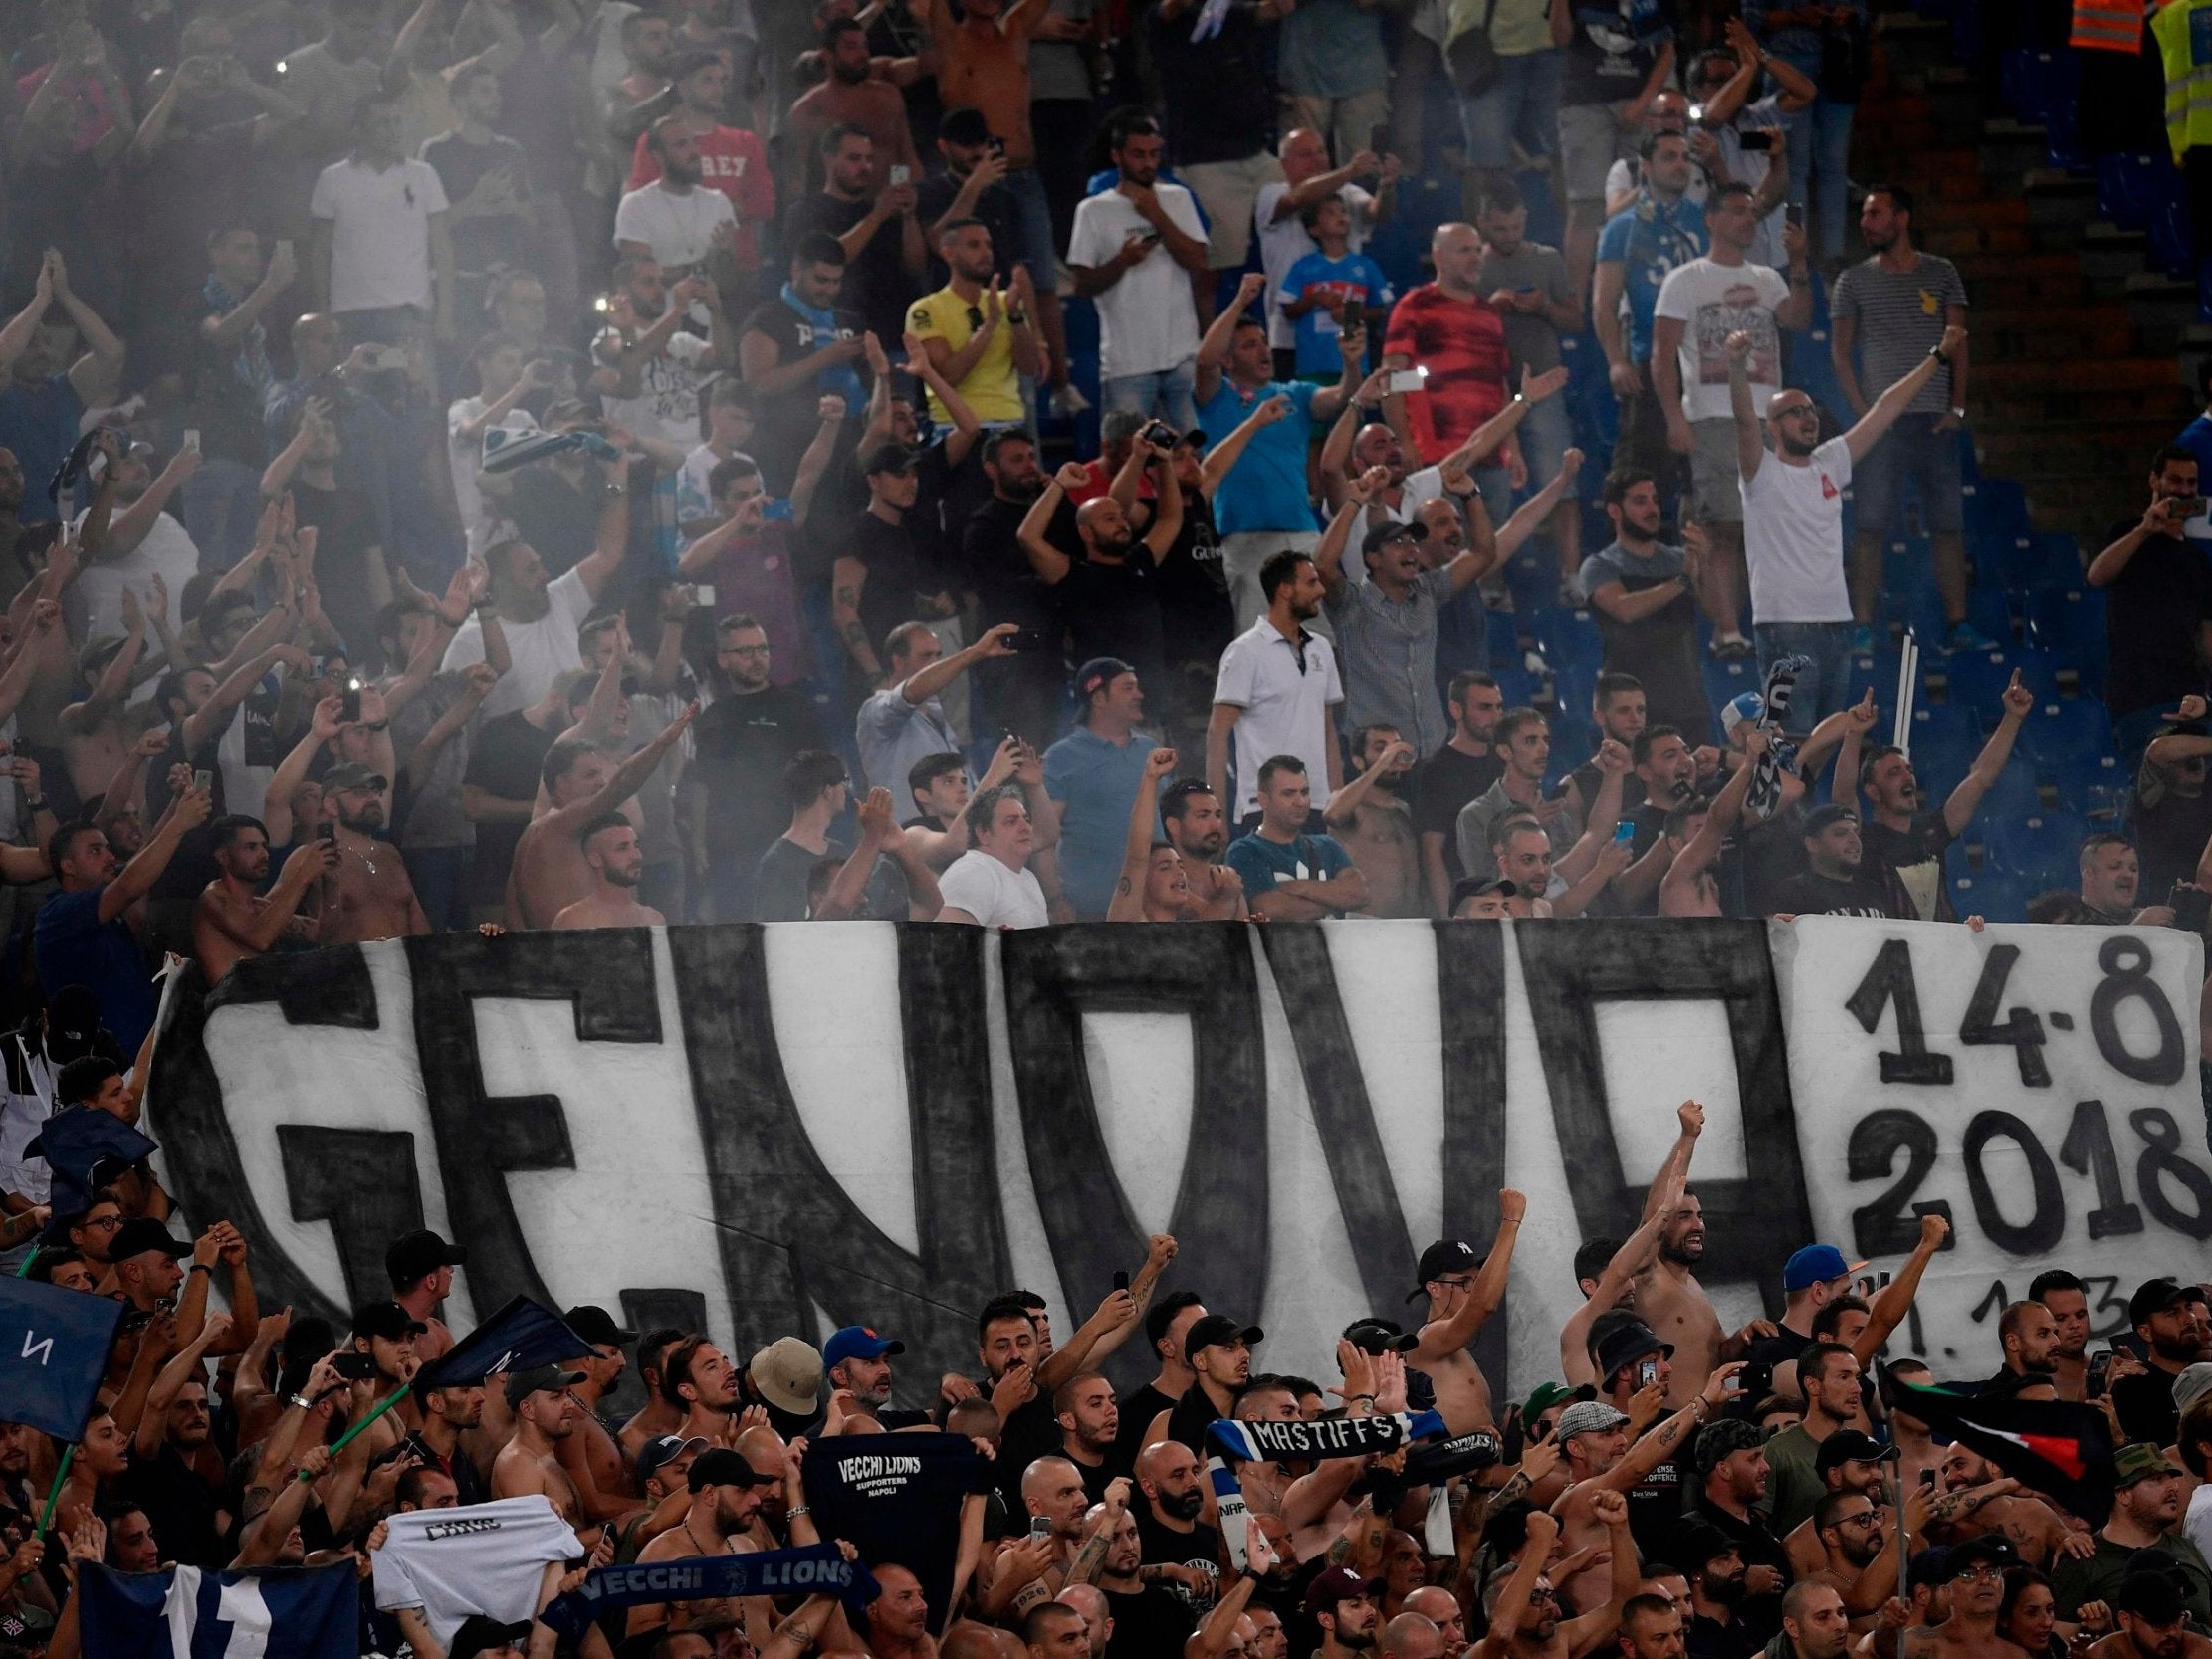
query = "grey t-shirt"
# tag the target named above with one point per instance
(431, 813)
(1062, 69)
(1900, 318)
(779, 883)
(1531, 341)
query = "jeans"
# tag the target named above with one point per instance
(1521, 107)
(1822, 685)
(222, 510)
(440, 875)
(1166, 392)
(1820, 154)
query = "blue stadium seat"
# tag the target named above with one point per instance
(1978, 680)
(1505, 638)
(1996, 506)
(2065, 621)
(1728, 680)
(1571, 743)
(1877, 673)
(1572, 686)
(1944, 740)
(1567, 639)
(1990, 556)
(1992, 894)
(2013, 795)
(2060, 736)
(1516, 685)
(2041, 848)
(1919, 608)
(2088, 781)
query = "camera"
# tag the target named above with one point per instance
(1157, 434)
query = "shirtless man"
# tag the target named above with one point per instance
(420, 1266)
(1153, 885)
(656, 1416)
(1976, 1570)
(233, 919)
(1374, 822)
(1037, 1568)
(1855, 1544)
(1525, 1622)
(1600, 1460)
(697, 1379)
(1672, 1302)
(2154, 1622)
(1463, 1291)
(617, 865)
(591, 1455)
(725, 1496)
(544, 1414)
(1697, 831)
(1977, 1500)
(1628, 1270)
(366, 895)
(97, 733)
(581, 785)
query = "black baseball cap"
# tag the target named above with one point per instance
(1447, 1255)
(140, 1234)
(2149, 1594)
(387, 1320)
(478, 1634)
(539, 1380)
(1992, 1548)
(1382, 536)
(1380, 1336)
(889, 455)
(724, 1467)
(72, 1022)
(664, 1449)
(2156, 1296)
(1473, 887)
(596, 1325)
(1218, 1331)
(1848, 1445)
(419, 1254)
(1828, 812)
(1097, 675)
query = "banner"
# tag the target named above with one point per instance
(815, 1569)
(760, 1132)
(188, 1613)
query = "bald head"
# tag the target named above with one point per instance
(970, 1641)
(763, 1448)
(1410, 1636)
(1457, 251)
(1440, 1608)
(1046, 1475)
(1089, 1601)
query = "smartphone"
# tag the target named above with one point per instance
(386, 357)
(995, 144)
(1794, 214)
(1406, 380)
(1031, 639)
(2101, 1371)
(326, 831)
(1040, 1526)
(703, 593)
(899, 173)
(1158, 433)
(1756, 138)
(1928, 1479)
(192, 440)
(355, 1367)
(350, 703)
(1121, 1280)
(1624, 833)
(1377, 139)
(203, 781)
(1646, 1371)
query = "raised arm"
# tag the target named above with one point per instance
(1966, 800)
(1487, 1293)
(1679, 887)
(1128, 902)
(1893, 402)
(1050, 564)
(1225, 450)
(1751, 446)
(187, 812)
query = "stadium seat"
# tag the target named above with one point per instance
(1568, 639)
(1729, 680)
(1505, 638)
(2042, 848)
(1918, 610)
(1996, 506)
(2067, 622)
(1516, 685)
(1992, 894)
(1944, 740)
(2060, 736)
(2091, 780)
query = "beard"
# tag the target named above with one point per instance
(1183, 1505)
(1792, 446)
(1690, 1250)
(623, 876)
(848, 74)
(1727, 1592)
(2180, 1349)
(367, 823)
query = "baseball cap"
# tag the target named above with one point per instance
(478, 1634)
(418, 1254)
(351, 774)
(857, 1342)
(723, 1467)
(2139, 1460)
(1339, 1583)
(890, 456)
(1195, 436)
(1384, 534)
(1625, 1344)
(1816, 1264)
(539, 1380)
(1721, 1439)
(788, 1373)
(664, 1449)
(1543, 1399)
(2149, 1594)
(1380, 1336)
(2156, 1296)
(1588, 1417)
(2192, 1384)
(1850, 1446)
(1828, 812)
(140, 1234)
(1217, 1330)
(1447, 1255)
(1745, 706)
(1096, 674)
(596, 1325)
(1469, 887)
(387, 1320)
(1992, 1548)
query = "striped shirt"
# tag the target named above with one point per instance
(1899, 316)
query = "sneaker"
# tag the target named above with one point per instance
(1068, 401)
(1730, 647)
(1965, 637)
(1863, 641)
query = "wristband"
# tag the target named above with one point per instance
(199, 1267)
(1936, 351)
(35, 802)
(797, 1510)
(303, 1402)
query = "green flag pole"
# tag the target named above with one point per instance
(54, 1495)
(383, 1405)
(24, 1271)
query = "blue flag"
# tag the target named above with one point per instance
(75, 1142)
(521, 1335)
(52, 1349)
(191, 1613)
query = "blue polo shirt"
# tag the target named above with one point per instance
(1651, 240)
(73, 947)
(1095, 783)
(1267, 489)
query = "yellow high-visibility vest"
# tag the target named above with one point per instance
(2183, 32)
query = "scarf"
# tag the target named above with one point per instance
(844, 380)
(1764, 799)
(1329, 1437)
(249, 367)
(811, 1570)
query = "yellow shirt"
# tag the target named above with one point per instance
(992, 388)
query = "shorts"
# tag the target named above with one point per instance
(1715, 475)
(1026, 186)
(1546, 431)
(1229, 193)
(1521, 109)
(1590, 142)
(1911, 452)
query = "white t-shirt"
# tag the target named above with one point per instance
(1146, 321)
(2196, 1524)
(21, 1118)
(677, 226)
(466, 457)
(1793, 537)
(541, 650)
(667, 404)
(167, 550)
(1284, 242)
(478, 1558)
(379, 232)
(994, 896)
(1713, 302)
(1285, 712)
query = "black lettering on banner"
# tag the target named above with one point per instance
(365, 1183)
(1053, 977)
(1342, 1112)
(2047, 1224)
(2022, 1030)
(790, 1235)
(2126, 963)
(2162, 1159)
(1880, 1227)
(2088, 1150)
(1994, 1301)
(1890, 981)
(607, 977)
(1568, 971)
(1471, 1005)
(185, 1111)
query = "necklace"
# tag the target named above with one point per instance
(703, 1550)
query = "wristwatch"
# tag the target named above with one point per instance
(1957, 413)
(303, 1402)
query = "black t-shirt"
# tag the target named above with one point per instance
(1034, 1431)
(1146, 1625)
(1443, 786)
(994, 564)
(1871, 890)
(995, 207)
(1757, 1617)
(345, 532)
(2170, 831)
(1656, 1509)
(2152, 611)
(479, 244)
(785, 425)
(179, 1507)
(1709, 1638)
(1098, 1477)
(506, 760)
(1781, 1349)
(1586, 780)
(1200, 1548)
(742, 742)
(1197, 621)
(2145, 1406)
(1916, 855)
(468, 1483)
(1611, 57)
(877, 284)
(1217, 95)
(1110, 610)
(897, 1498)
(1137, 1411)
(902, 572)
